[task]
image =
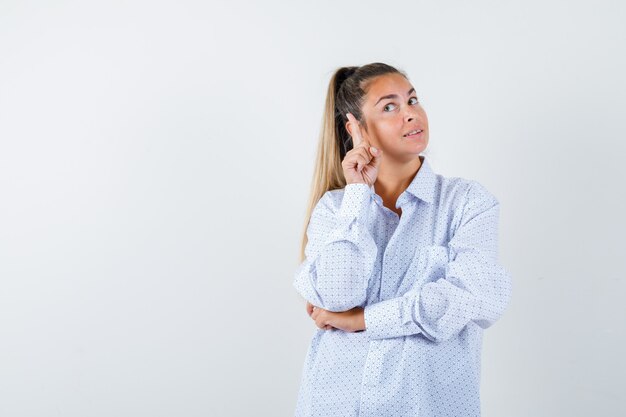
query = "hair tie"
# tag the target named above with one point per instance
(344, 74)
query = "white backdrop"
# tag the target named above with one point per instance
(155, 161)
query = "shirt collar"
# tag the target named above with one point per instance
(422, 186)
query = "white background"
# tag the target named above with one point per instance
(155, 161)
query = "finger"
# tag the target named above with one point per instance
(357, 137)
(355, 155)
(363, 151)
(377, 156)
(360, 158)
(309, 308)
(372, 155)
(364, 139)
(353, 123)
(324, 325)
(360, 162)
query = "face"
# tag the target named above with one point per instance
(391, 110)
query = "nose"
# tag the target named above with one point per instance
(410, 113)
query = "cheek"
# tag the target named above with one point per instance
(423, 116)
(385, 127)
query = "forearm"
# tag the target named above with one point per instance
(453, 284)
(337, 279)
(340, 254)
(439, 309)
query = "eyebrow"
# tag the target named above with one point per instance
(393, 96)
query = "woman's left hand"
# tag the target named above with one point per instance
(352, 320)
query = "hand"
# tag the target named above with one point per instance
(310, 309)
(360, 165)
(352, 320)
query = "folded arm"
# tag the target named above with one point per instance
(340, 252)
(471, 285)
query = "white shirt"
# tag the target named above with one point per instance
(430, 283)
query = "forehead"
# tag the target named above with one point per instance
(387, 84)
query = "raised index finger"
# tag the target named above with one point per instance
(357, 138)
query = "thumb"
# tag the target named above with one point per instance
(377, 154)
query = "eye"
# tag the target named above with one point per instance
(416, 100)
(387, 105)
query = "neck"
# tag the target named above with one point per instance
(394, 177)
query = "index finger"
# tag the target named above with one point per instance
(357, 137)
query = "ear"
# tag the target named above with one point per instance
(349, 127)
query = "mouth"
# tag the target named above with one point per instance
(413, 133)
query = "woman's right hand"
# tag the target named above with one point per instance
(360, 165)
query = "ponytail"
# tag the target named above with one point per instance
(345, 94)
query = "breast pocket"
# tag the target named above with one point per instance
(428, 264)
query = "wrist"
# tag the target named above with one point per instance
(362, 319)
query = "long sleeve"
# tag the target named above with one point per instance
(468, 283)
(340, 252)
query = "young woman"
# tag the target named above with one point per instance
(399, 264)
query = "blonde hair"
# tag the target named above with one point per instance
(346, 93)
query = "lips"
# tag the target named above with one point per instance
(413, 132)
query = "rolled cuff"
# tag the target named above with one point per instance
(355, 200)
(389, 318)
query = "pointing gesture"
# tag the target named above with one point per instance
(361, 163)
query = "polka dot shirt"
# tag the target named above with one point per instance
(430, 283)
